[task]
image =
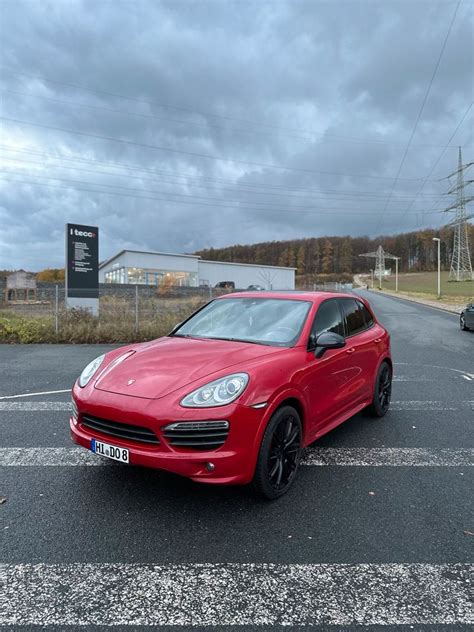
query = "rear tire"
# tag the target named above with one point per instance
(382, 392)
(462, 323)
(279, 457)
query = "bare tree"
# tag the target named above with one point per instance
(267, 277)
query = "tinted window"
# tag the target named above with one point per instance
(368, 318)
(328, 318)
(354, 316)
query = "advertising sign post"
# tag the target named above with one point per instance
(82, 267)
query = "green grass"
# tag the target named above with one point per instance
(427, 283)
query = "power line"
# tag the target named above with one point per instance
(344, 196)
(196, 154)
(435, 164)
(321, 137)
(326, 211)
(405, 153)
(193, 177)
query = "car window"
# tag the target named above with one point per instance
(368, 318)
(353, 316)
(328, 318)
(259, 320)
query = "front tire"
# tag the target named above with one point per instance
(382, 392)
(279, 456)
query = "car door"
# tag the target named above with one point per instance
(325, 380)
(362, 349)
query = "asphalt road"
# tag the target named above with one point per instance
(383, 542)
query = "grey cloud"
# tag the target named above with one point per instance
(299, 82)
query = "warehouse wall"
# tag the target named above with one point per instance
(244, 275)
(203, 272)
(151, 261)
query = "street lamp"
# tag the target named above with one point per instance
(397, 259)
(439, 264)
(372, 278)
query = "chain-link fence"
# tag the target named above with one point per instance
(125, 313)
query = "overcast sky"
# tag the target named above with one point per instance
(180, 125)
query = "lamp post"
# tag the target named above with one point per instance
(439, 264)
(396, 273)
(372, 278)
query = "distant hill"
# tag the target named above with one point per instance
(338, 255)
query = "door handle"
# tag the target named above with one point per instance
(351, 350)
(378, 340)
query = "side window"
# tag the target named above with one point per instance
(353, 316)
(328, 318)
(368, 318)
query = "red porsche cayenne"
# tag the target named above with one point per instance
(234, 393)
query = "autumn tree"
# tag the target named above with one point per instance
(51, 275)
(327, 263)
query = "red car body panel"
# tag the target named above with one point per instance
(326, 391)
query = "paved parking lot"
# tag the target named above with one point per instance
(377, 531)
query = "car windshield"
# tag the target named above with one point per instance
(267, 321)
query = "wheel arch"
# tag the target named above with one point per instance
(297, 405)
(388, 360)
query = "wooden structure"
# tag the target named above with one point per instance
(20, 287)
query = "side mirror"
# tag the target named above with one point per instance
(328, 340)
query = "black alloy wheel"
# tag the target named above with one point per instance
(280, 452)
(383, 391)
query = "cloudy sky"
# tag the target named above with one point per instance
(180, 125)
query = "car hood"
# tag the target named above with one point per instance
(167, 364)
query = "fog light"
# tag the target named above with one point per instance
(210, 467)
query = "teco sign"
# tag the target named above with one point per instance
(82, 263)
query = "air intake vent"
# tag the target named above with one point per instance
(119, 430)
(200, 435)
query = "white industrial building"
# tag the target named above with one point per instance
(154, 268)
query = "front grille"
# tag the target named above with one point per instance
(120, 430)
(200, 435)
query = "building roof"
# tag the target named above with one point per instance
(144, 252)
(253, 265)
(174, 254)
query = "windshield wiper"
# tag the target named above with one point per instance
(251, 342)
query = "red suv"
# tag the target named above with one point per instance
(234, 393)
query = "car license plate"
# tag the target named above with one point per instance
(110, 451)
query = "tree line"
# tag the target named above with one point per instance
(340, 255)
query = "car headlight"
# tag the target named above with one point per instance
(89, 371)
(217, 393)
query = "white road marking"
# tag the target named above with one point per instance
(66, 390)
(434, 366)
(396, 405)
(370, 457)
(393, 457)
(35, 406)
(420, 405)
(403, 378)
(235, 594)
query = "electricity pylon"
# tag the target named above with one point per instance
(379, 255)
(461, 265)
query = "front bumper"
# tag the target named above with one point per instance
(233, 463)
